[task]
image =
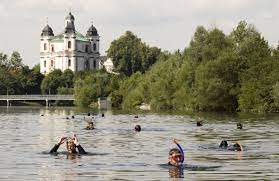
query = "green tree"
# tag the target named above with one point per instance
(216, 84)
(52, 82)
(255, 65)
(94, 85)
(130, 55)
(15, 60)
(67, 78)
(8, 82)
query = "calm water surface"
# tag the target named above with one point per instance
(118, 153)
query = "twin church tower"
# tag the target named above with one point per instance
(69, 49)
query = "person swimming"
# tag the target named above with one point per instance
(71, 145)
(176, 155)
(239, 126)
(235, 147)
(223, 144)
(137, 128)
(199, 122)
(90, 126)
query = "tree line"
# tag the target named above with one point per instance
(215, 72)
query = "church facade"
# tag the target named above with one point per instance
(69, 49)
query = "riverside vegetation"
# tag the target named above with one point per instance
(215, 72)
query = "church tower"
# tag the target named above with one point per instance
(94, 38)
(69, 49)
(70, 42)
(46, 36)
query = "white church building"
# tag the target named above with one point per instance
(69, 49)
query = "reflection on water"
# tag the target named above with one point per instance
(117, 152)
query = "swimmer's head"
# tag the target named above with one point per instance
(88, 114)
(175, 157)
(237, 146)
(137, 128)
(199, 122)
(90, 125)
(223, 144)
(239, 126)
(71, 147)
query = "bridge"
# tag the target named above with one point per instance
(45, 98)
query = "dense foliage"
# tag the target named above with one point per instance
(58, 82)
(130, 54)
(91, 85)
(216, 72)
(15, 78)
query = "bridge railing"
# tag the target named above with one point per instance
(37, 97)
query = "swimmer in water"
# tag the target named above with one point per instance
(176, 155)
(199, 122)
(90, 126)
(235, 147)
(239, 126)
(137, 128)
(223, 144)
(71, 145)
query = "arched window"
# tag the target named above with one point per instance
(51, 63)
(94, 47)
(94, 63)
(86, 48)
(69, 62)
(52, 48)
(45, 46)
(69, 45)
(44, 63)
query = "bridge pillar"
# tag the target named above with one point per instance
(47, 103)
(8, 103)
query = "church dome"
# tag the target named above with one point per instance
(70, 17)
(47, 31)
(92, 31)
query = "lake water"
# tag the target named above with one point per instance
(118, 153)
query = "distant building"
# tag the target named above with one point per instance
(108, 64)
(69, 49)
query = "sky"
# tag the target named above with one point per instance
(168, 24)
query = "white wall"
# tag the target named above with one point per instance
(61, 52)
